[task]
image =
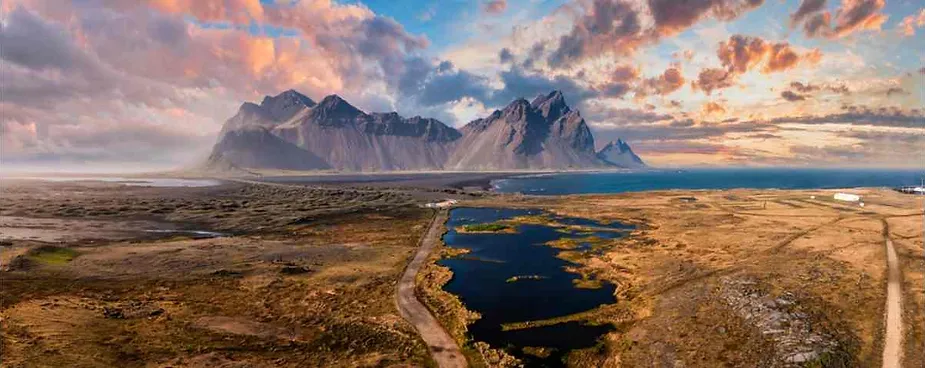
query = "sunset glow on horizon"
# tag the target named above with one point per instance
(131, 84)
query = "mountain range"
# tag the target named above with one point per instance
(290, 131)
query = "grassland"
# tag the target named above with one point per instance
(305, 279)
(742, 277)
(486, 228)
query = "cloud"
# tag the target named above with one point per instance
(819, 25)
(519, 83)
(809, 87)
(857, 15)
(875, 148)
(601, 113)
(494, 6)
(881, 117)
(711, 108)
(896, 90)
(739, 54)
(505, 55)
(452, 86)
(428, 14)
(20, 35)
(791, 96)
(679, 130)
(96, 64)
(852, 16)
(622, 26)
(908, 25)
(620, 82)
(712, 79)
(604, 26)
(669, 81)
(672, 17)
(807, 8)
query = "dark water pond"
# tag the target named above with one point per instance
(481, 281)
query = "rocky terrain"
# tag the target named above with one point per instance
(543, 134)
(292, 132)
(618, 153)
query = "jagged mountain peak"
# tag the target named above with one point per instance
(540, 134)
(289, 95)
(619, 153)
(517, 111)
(285, 105)
(334, 110)
(552, 106)
(618, 145)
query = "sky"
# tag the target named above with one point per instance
(147, 84)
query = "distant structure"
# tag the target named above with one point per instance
(847, 197)
(920, 190)
(445, 204)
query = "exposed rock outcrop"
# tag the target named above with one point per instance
(291, 131)
(256, 147)
(543, 134)
(619, 154)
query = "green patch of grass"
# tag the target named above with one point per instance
(485, 228)
(525, 277)
(52, 255)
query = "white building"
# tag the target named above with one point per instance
(445, 204)
(847, 197)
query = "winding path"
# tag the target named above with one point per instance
(441, 345)
(892, 341)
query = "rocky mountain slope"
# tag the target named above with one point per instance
(291, 131)
(543, 134)
(331, 134)
(619, 154)
(256, 147)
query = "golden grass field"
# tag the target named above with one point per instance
(306, 276)
(738, 277)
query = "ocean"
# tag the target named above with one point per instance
(757, 178)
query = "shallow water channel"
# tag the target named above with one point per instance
(481, 279)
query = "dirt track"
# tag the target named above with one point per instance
(443, 348)
(892, 342)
